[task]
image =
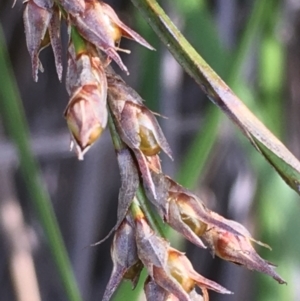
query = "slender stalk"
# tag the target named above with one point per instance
(16, 125)
(152, 219)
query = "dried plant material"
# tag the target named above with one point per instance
(145, 172)
(73, 6)
(126, 264)
(46, 4)
(36, 21)
(119, 29)
(129, 182)
(136, 124)
(129, 185)
(54, 34)
(42, 28)
(169, 268)
(238, 249)
(239, 228)
(137, 127)
(154, 292)
(184, 211)
(86, 113)
(100, 25)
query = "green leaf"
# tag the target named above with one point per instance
(221, 95)
(16, 125)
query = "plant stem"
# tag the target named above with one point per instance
(274, 151)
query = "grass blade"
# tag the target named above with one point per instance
(220, 94)
(16, 125)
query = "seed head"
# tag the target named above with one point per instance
(137, 125)
(238, 249)
(99, 24)
(86, 113)
(169, 268)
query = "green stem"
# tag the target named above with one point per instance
(117, 142)
(78, 41)
(152, 218)
(16, 125)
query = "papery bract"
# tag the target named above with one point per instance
(99, 25)
(183, 210)
(126, 264)
(54, 34)
(36, 22)
(129, 185)
(73, 6)
(154, 292)
(137, 126)
(46, 4)
(42, 28)
(238, 249)
(86, 113)
(169, 268)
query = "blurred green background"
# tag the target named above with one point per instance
(255, 47)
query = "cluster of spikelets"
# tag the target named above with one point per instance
(98, 95)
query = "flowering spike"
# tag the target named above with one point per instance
(99, 25)
(187, 224)
(129, 182)
(120, 29)
(194, 296)
(137, 125)
(145, 171)
(183, 210)
(169, 268)
(86, 113)
(238, 249)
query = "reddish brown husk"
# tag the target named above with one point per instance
(184, 211)
(169, 268)
(238, 249)
(100, 25)
(137, 127)
(86, 113)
